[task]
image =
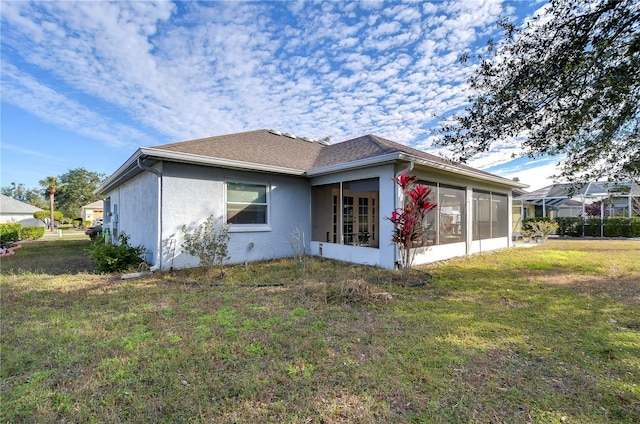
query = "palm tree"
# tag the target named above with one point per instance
(51, 184)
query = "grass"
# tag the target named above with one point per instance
(548, 334)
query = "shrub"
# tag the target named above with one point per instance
(31, 233)
(407, 221)
(208, 242)
(44, 215)
(592, 227)
(618, 226)
(10, 232)
(569, 226)
(112, 258)
(527, 223)
(544, 228)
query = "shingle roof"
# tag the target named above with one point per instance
(9, 205)
(260, 147)
(371, 146)
(266, 148)
(272, 151)
(98, 204)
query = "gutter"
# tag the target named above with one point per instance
(390, 157)
(361, 163)
(461, 171)
(221, 162)
(157, 265)
(131, 166)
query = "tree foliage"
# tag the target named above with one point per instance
(407, 221)
(76, 190)
(567, 83)
(44, 215)
(73, 190)
(32, 196)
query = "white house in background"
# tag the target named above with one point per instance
(265, 184)
(12, 210)
(92, 211)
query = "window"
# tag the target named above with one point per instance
(246, 203)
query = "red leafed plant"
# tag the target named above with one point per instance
(407, 221)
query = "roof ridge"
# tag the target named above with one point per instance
(160, 146)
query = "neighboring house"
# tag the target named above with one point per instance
(12, 210)
(564, 200)
(92, 211)
(266, 184)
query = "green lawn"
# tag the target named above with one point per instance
(549, 334)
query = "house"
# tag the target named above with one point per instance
(12, 210)
(92, 211)
(266, 184)
(566, 200)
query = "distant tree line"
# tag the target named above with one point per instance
(69, 191)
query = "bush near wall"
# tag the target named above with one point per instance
(31, 233)
(10, 232)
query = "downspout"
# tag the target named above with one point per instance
(408, 169)
(159, 217)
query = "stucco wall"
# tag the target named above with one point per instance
(133, 207)
(384, 256)
(193, 193)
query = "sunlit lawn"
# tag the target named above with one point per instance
(546, 334)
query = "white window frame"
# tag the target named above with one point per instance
(237, 228)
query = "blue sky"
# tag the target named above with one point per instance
(86, 83)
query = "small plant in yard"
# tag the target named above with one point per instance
(209, 242)
(544, 228)
(112, 258)
(297, 242)
(527, 233)
(407, 221)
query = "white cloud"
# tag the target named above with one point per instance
(26, 92)
(536, 177)
(190, 70)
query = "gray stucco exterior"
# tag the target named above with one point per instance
(160, 190)
(190, 194)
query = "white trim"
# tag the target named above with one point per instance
(224, 163)
(461, 171)
(243, 228)
(349, 166)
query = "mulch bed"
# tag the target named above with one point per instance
(7, 249)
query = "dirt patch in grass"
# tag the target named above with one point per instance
(623, 289)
